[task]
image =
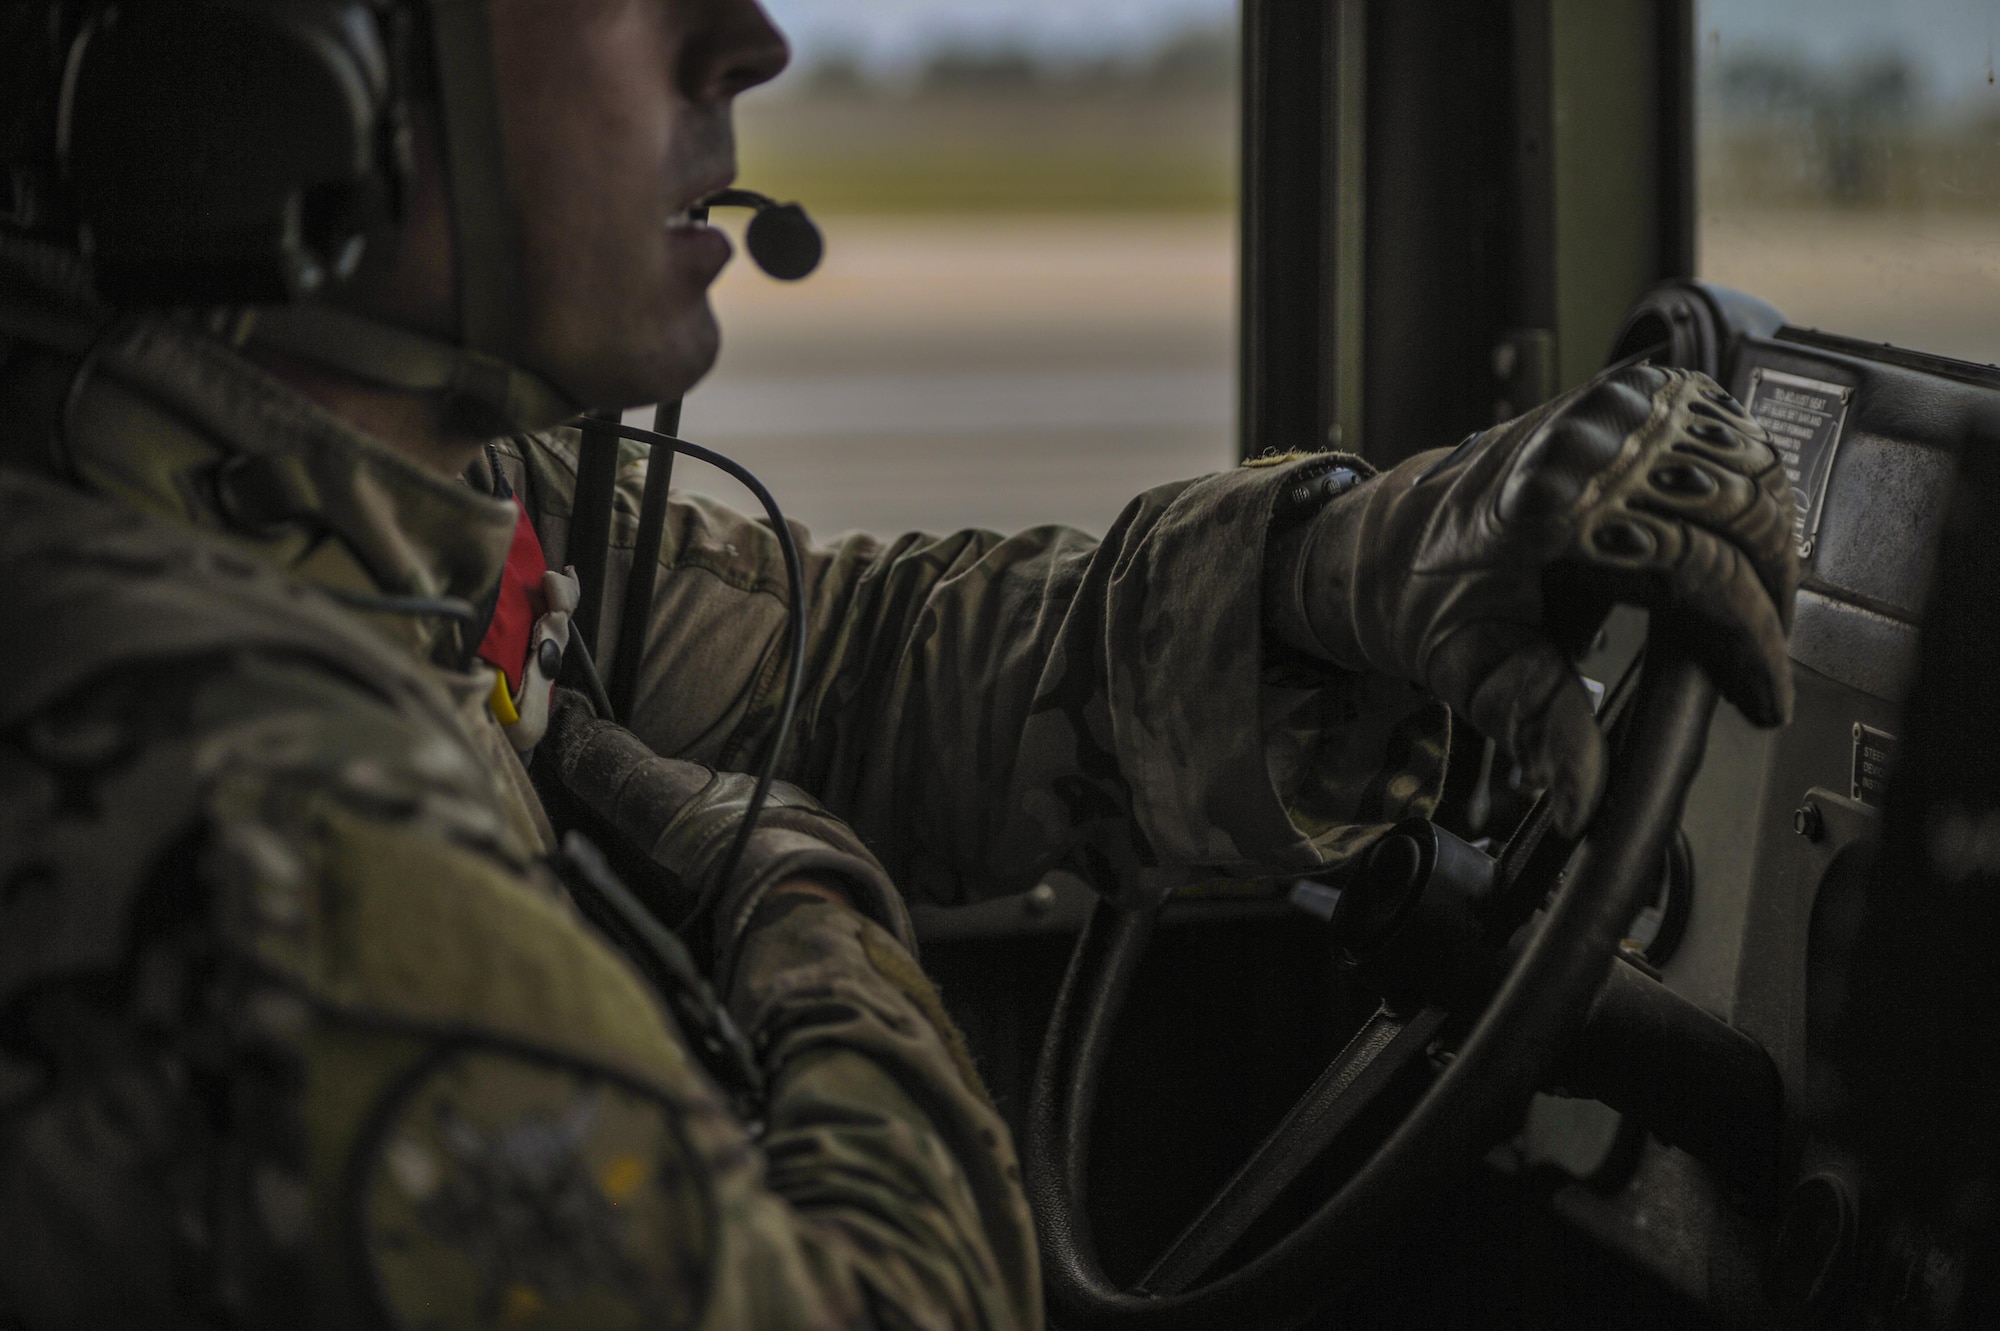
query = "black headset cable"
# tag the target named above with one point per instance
(795, 669)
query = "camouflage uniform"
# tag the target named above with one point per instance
(296, 1026)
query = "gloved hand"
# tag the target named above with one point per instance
(1479, 572)
(684, 816)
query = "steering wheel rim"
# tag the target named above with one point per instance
(1510, 1050)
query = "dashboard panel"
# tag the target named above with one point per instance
(1780, 830)
(1783, 826)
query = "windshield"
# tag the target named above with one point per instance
(1850, 165)
(1026, 313)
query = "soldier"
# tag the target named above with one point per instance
(300, 1019)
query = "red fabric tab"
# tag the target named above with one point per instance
(521, 603)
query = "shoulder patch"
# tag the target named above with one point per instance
(500, 1190)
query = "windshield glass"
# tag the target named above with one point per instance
(1027, 306)
(1850, 165)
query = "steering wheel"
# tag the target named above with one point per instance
(1540, 1000)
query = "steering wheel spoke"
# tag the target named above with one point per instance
(1386, 1044)
(1516, 1039)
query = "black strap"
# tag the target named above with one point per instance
(638, 611)
(666, 963)
(590, 523)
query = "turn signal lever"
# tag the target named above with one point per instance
(781, 238)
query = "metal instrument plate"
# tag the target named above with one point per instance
(1874, 756)
(1804, 417)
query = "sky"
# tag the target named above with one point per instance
(1951, 41)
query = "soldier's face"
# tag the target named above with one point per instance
(617, 118)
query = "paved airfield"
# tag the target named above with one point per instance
(999, 372)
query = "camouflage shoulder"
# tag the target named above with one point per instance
(205, 777)
(501, 1189)
(183, 709)
(145, 872)
(150, 669)
(94, 587)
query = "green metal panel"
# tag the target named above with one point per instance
(1448, 220)
(1606, 116)
(1350, 210)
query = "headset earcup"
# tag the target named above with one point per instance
(224, 151)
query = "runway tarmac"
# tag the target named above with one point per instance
(939, 373)
(1930, 282)
(1001, 372)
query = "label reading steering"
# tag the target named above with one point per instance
(1874, 754)
(1804, 417)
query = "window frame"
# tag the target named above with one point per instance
(1447, 205)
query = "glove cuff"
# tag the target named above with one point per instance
(1311, 557)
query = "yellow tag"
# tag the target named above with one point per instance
(502, 702)
(523, 1300)
(622, 1177)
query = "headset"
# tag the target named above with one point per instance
(211, 154)
(237, 152)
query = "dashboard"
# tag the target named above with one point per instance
(1776, 917)
(1783, 834)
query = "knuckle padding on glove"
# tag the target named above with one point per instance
(1575, 447)
(1687, 472)
(1647, 484)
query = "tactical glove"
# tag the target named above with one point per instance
(683, 816)
(1478, 572)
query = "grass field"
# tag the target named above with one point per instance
(1060, 151)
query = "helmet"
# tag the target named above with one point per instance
(237, 153)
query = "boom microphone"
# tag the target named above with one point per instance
(780, 237)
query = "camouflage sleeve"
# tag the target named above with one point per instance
(881, 1134)
(296, 1035)
(982, 707)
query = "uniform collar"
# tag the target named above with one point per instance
(172, 420)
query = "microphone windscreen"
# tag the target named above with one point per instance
(784, 241)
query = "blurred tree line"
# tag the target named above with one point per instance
(1781, 131)
(1003, 129)
(1194, 61)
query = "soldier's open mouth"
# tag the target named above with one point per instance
(684, 220)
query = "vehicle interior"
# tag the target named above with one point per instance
(1730, 1061)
